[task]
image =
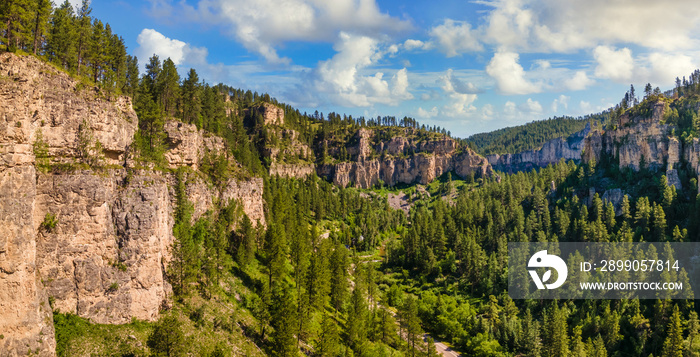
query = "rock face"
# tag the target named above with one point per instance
(106, 257)
(550, 153)
(289, 156)
(34, 96)
(639, 141)
(292, 170)
(433, 159)
(26, 322)
(270, 113)
(615, 197)
(103, 260)
(187, 145)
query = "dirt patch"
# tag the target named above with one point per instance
(400, 201)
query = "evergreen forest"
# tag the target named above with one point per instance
(340, 272)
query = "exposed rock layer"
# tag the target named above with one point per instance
(106, 257)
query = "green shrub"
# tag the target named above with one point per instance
(49, 223)
(167, 338)
(41, 152)
(68, 327)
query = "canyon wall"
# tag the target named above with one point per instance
(550, 153)
(97, 241)
(402, 160)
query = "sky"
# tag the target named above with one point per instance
(467, 66)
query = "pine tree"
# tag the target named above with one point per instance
(339, 276)
(673, 345)
(60, 44)
(191, 99)
(328, 340)
(410, 323)
(693, 327)
(168, 88)
(167, 339)
(131, 83)
(83, 28)
(283, 320)
(42, 10)
(17, 16)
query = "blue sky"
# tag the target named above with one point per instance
(468, 66)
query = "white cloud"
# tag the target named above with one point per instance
(461, 95)
(617, 65)
(543, 64)
(400, 85)
(342, 80)
(562, 26)
(586, 107)
(455, 37)
(562, 101)
(416, 44)
(510, 109)
(580, 81)
(530, 107)
(509, 74)
(262, 25)
(487, 112)
(422, 113)
(664, 68)
(153, 42)
(452, 84)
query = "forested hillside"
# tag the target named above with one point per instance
(329, 270)
(530, 136)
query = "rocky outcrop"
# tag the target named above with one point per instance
(407, 158)
(105, 257)
(551, 152)
(270, 113)
(299, 170)
(418, 168)
(615, 197)
(34, 96)
(639, 141)
(26, 322)
(187, 145)
(289, 156)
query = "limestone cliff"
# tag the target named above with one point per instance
(105, 255)
(402, 160)
(288, 155)
(638, 140)
(550, 153)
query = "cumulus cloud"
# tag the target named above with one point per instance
(530, 107)
(342, 80)
(561, 102)
(580, 81)
(585, 107)
(664, 68)
(455, 37)
(617, 65)
(461, 95)
(416, 44)
(487, 112)
(422, 113)
(509, 74)
(560, 26)
(153, 42)
(452, 84)
(264, 24)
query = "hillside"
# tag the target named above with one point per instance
(154, 215)
(530, 136)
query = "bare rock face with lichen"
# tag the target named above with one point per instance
(402, 159)
(96, 242)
